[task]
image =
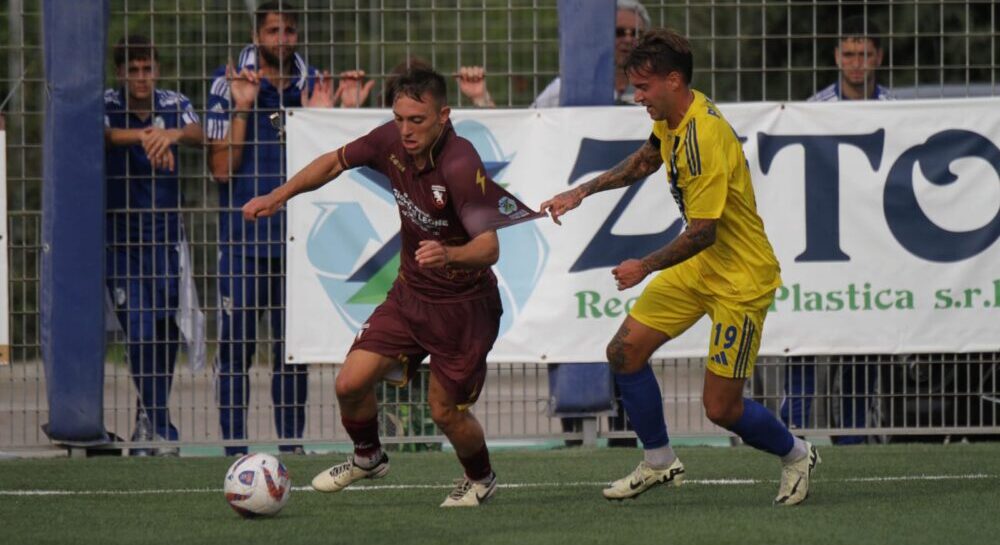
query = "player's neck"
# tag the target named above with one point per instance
(684, 104)
(857, 92)
(421, 159)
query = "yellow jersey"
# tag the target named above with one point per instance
(709, 179)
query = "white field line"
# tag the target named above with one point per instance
(580, 484)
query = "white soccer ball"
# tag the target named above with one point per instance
(257, 485)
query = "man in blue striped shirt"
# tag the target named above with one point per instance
(143, 125)
(858, 55)
(245, 116)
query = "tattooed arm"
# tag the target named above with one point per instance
(643, 162)
(699, 235)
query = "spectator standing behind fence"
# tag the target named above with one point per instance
(146, 247)
(246, 107)
(631, 20)
(858, 55)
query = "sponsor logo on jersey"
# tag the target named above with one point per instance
(396, 162)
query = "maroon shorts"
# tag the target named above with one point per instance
(458, 336)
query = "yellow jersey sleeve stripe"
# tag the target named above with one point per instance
(691, 148)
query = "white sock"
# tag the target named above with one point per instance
(659, 458)
(368, 462)
(798, 451)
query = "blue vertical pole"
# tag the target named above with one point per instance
(72, 281)
(587, 74)
(587, 52)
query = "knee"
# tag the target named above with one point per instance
(445, 416)
(723, 413)
(624, 357)
(348, 390)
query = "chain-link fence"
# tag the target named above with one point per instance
(745, 51)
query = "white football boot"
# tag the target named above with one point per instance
(643, 478)
(795, 478)
(342, 475)
(468, 493)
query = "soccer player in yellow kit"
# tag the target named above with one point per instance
(721, 265)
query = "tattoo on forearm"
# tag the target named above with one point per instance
(645, 161)
(682, 248)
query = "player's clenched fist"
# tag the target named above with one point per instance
(432, 254)
(261, 207)
(629, 273)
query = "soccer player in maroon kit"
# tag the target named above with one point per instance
(445, 300)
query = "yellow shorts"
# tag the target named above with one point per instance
(676, 299)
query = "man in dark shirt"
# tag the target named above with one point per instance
(144, 123)
(245, 109)
(445, 300)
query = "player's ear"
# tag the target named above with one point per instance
(443, 114)
(675, 80)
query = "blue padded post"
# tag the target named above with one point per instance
(72, 278)
(579, 389)
(587, 71)
(587, 52)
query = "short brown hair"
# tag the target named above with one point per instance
(134, 47)
(857, 28)
(420, 80)
(662, 51)
(398, 71)
(280, 7)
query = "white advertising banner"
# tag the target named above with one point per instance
(885, 218)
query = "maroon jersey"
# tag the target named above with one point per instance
(450, 200)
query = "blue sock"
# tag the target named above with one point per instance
(761, 430)
(644, 406)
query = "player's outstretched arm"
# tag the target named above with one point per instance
(699, 235)
(480, 252)
(641, 163)
(324, 168)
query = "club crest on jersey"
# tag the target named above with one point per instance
(506, 206)
(440, 193)
(159, 122)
